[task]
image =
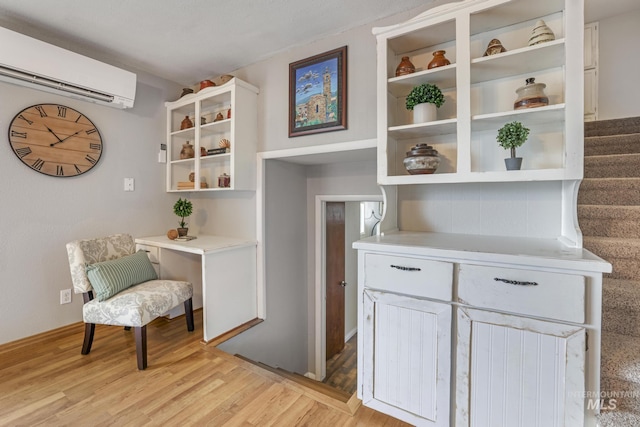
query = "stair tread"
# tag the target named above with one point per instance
(621, 357)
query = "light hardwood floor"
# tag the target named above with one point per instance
(45, 381)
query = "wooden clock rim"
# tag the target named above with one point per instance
(69, 108)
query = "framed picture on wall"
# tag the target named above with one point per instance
(318, 93)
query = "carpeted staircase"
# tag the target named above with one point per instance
(609, 216)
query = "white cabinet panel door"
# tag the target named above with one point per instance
(407, 363)
(518, 372)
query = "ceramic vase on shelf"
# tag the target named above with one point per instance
(495, 47)
(405, 67)
(421, 159)
(206, 83)
(531, 95)
(187, 151)
(438, 60)
(425, 112)
(186, 123)
(541, 33)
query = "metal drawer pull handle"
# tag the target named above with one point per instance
(400, 267)
(515, 282)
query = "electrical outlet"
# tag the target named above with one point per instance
(65, 296)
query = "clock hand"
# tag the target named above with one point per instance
(54, 134)
(64, 139)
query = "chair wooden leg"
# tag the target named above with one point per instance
(89, 329)
(188, 311)
(141, 346)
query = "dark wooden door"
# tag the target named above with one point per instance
(334, 256)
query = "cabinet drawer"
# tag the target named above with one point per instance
(536, 293)
(152, 252)
(409, 276)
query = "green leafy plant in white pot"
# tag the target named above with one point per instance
(183, 208)
(424, 100)
(511, 136)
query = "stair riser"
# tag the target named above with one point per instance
(618, 144)
(622, 193)
(618, 166)
(612, 127)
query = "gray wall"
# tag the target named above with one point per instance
(40, 214)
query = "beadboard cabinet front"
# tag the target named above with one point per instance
(407, 349)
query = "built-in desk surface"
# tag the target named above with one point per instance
(202, 245)
(222, 271)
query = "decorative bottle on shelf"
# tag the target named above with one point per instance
(438, 60)
(187, 151)
(405, 67)
(186, 123)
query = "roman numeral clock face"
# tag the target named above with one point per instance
(55, 140)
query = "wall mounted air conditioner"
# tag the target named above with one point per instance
(30, 62)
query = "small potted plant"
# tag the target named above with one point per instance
(424, 99)
(510, 136)
(183, 208)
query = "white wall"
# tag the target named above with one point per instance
(619, 63)
(500, 209)
(281, 340)
(40, 214)
(351, 234)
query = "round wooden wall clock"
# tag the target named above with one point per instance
(55, 140)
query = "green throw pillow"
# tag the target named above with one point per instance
(110, 277)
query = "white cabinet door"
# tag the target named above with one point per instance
(407, 363)
(518, 372)
(591, 71)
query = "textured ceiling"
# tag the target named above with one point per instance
(186, 41)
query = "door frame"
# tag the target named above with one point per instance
(320, 364)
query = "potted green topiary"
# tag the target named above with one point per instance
(424, 99)
(183, 208)
(510, 136)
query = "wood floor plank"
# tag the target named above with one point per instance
(47, 382)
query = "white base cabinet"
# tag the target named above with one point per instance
(516, 371)
(483, 331)
(411, 340)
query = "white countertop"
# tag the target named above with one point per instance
(204, 244)
(470, 247)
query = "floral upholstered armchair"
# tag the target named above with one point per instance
(120, 287)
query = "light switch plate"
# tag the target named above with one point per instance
(128, 184)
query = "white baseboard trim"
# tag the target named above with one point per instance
(350, 334)
(310, 375)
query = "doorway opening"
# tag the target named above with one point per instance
(340, 221)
